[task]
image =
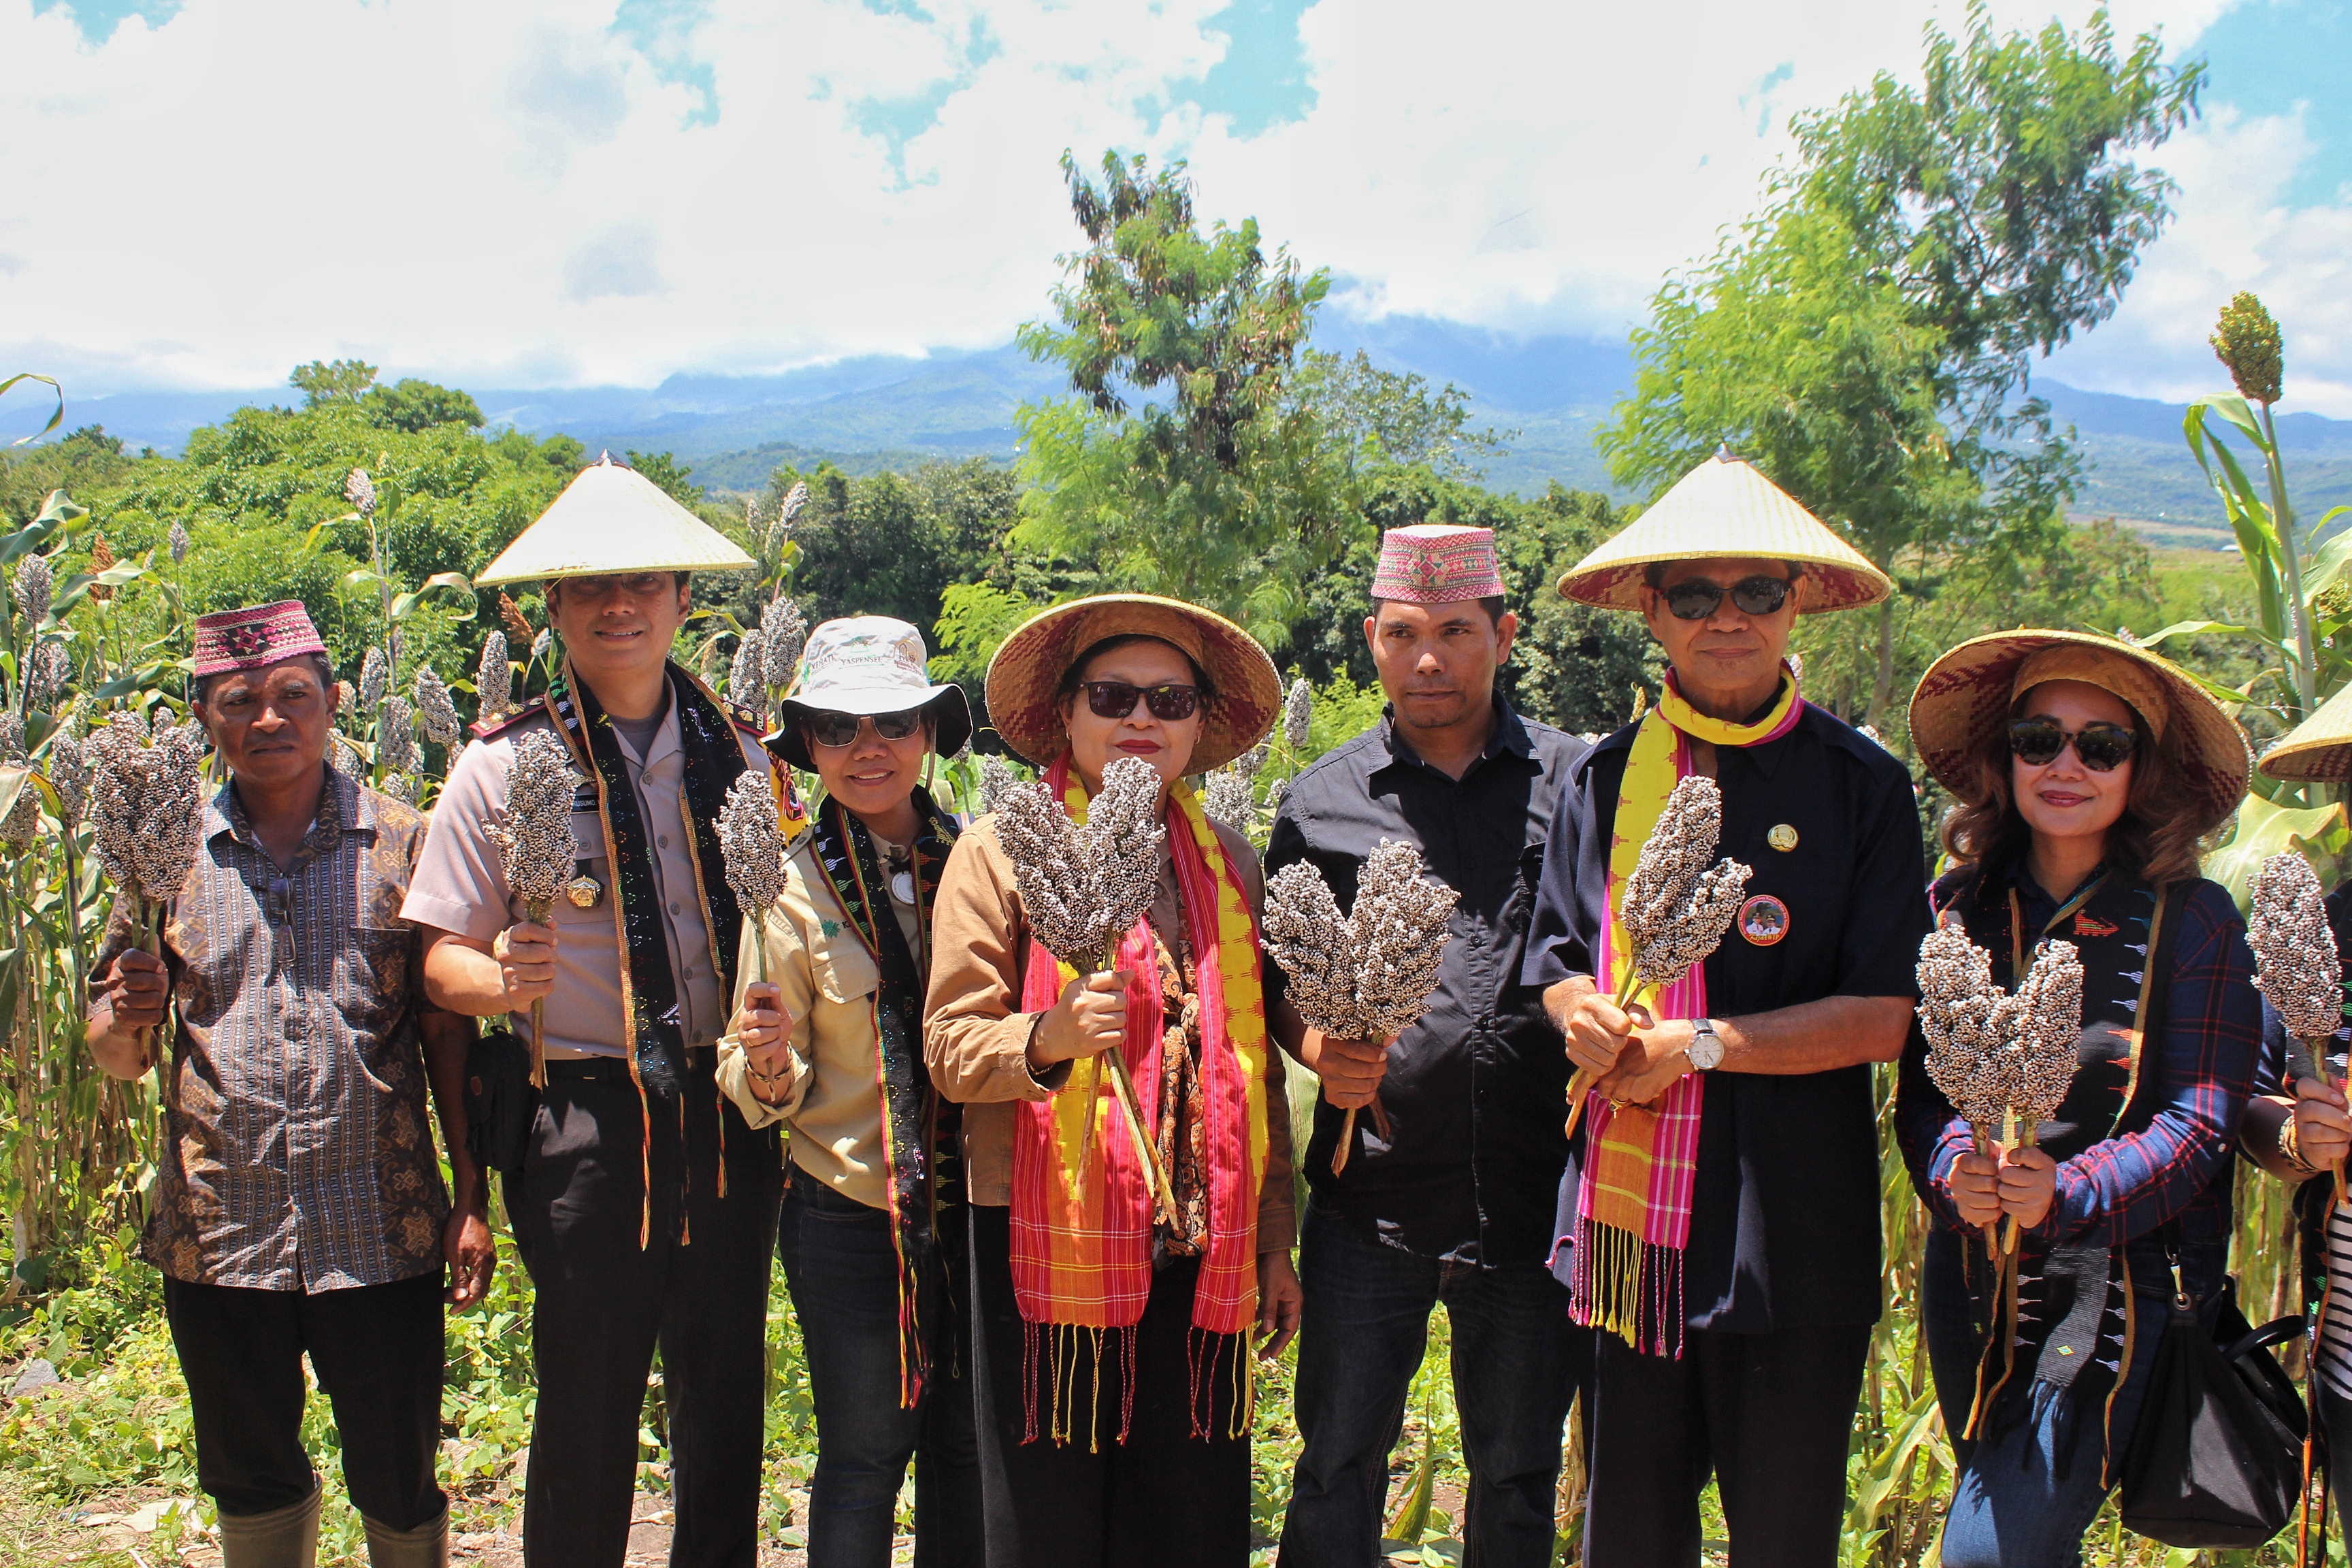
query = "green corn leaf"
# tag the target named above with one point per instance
(56, 416)
(2264, 830)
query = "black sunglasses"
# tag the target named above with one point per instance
(1698, 597)
(1115, 699)
(826, 727)
(2103, 747)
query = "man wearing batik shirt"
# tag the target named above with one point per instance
(1719, 1222)
(299, 1206)
(1443, 1193)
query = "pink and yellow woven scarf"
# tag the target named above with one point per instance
(1633, 1207)
(1082, 1258)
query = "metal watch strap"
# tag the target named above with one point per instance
(1705, 1044)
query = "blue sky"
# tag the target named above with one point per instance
(553, 191)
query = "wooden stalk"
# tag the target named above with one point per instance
(1580, 1085)
(537, 913)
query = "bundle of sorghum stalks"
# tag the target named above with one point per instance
(146, 801)
(2297, 963)
(753, 844)
(535, 843)
(1677, 903)
(1368, 974)
(1083, 888)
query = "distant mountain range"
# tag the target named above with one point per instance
(883, 412)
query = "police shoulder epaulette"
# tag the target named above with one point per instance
(486, 728)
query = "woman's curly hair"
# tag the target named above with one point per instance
(2155, 840)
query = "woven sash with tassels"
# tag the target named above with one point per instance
(1082, 1251)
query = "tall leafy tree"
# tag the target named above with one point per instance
(1868, 337)
(1179, 466)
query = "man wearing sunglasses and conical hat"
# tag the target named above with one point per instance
(1719, 1218)
(643, 1203)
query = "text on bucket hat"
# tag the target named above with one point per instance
(1437, 563)
(254, 637)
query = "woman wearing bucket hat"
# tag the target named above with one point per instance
(2298, 1128)
(829, 1044)
(2086, 771)
(1722, 1224)
(1110, 1338)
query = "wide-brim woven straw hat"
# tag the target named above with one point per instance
(1027, 671)
(2318, 750)
(1725, 510)
(1964, 699)
(611, 519)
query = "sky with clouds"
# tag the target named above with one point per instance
(525, 192)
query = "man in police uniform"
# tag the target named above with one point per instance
(1720, 1214)
(645, 1207)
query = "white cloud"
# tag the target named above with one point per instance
(515, 193)
(2233, 229)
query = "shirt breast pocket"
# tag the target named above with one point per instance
(588, 858)
(372, 976)
(843, 970)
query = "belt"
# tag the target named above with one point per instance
(613, 1069)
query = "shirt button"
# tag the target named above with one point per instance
(673, 907)
(663, 841)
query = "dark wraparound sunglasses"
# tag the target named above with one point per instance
(1698, 597)
(838, 729)
(1115, 699)
(2103, 747)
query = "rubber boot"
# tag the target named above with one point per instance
(283, 1538)
(426, 1546)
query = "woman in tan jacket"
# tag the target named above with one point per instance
(1110, 1336)
(828, 1041)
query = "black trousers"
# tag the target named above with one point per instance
(1769, 1415)
(377, 1351)
(697, 1285)
(1164, 1498)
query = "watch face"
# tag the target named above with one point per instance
(1706, 1051)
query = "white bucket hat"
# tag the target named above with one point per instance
(868, 664)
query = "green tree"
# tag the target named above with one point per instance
(670, 474)
(1382, 418)
(333, 381)
(1179, 466)
(412, 405)
(1868, 337)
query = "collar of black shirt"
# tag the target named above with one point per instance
(1508, 735)
(1766, 755)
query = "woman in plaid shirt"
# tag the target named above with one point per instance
(2087, 772)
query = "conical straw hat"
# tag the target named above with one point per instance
(613, 518)
(2317, 750)
(1963, 701)
(1724, 509)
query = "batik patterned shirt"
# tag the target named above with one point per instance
(298, 1153)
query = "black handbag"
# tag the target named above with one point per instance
(499, 1101)
(2216, 1457)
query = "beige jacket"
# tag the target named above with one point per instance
(976, 1038)
(825, 980)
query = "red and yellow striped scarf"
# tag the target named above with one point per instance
(1633, 1207)
(1082, 1256)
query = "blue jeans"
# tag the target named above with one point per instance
(2009, 1507)
(1518, 1361)
(842, 1268)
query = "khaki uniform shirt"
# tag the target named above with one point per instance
(461, 887)
(825, 982)
(976, 1038)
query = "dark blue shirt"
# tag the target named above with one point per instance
(1784, 1214)
(1475, 1090)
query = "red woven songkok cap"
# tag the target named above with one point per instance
(1436, 563)
(254, 637)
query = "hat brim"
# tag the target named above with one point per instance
(2318, 750)
(1964, 698)
(949, 710)
(1027, 673)
(1616, 583)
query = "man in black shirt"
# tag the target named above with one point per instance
(1446, 1192)
(1720, 1215)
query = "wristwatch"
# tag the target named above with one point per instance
(1704, 1052)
